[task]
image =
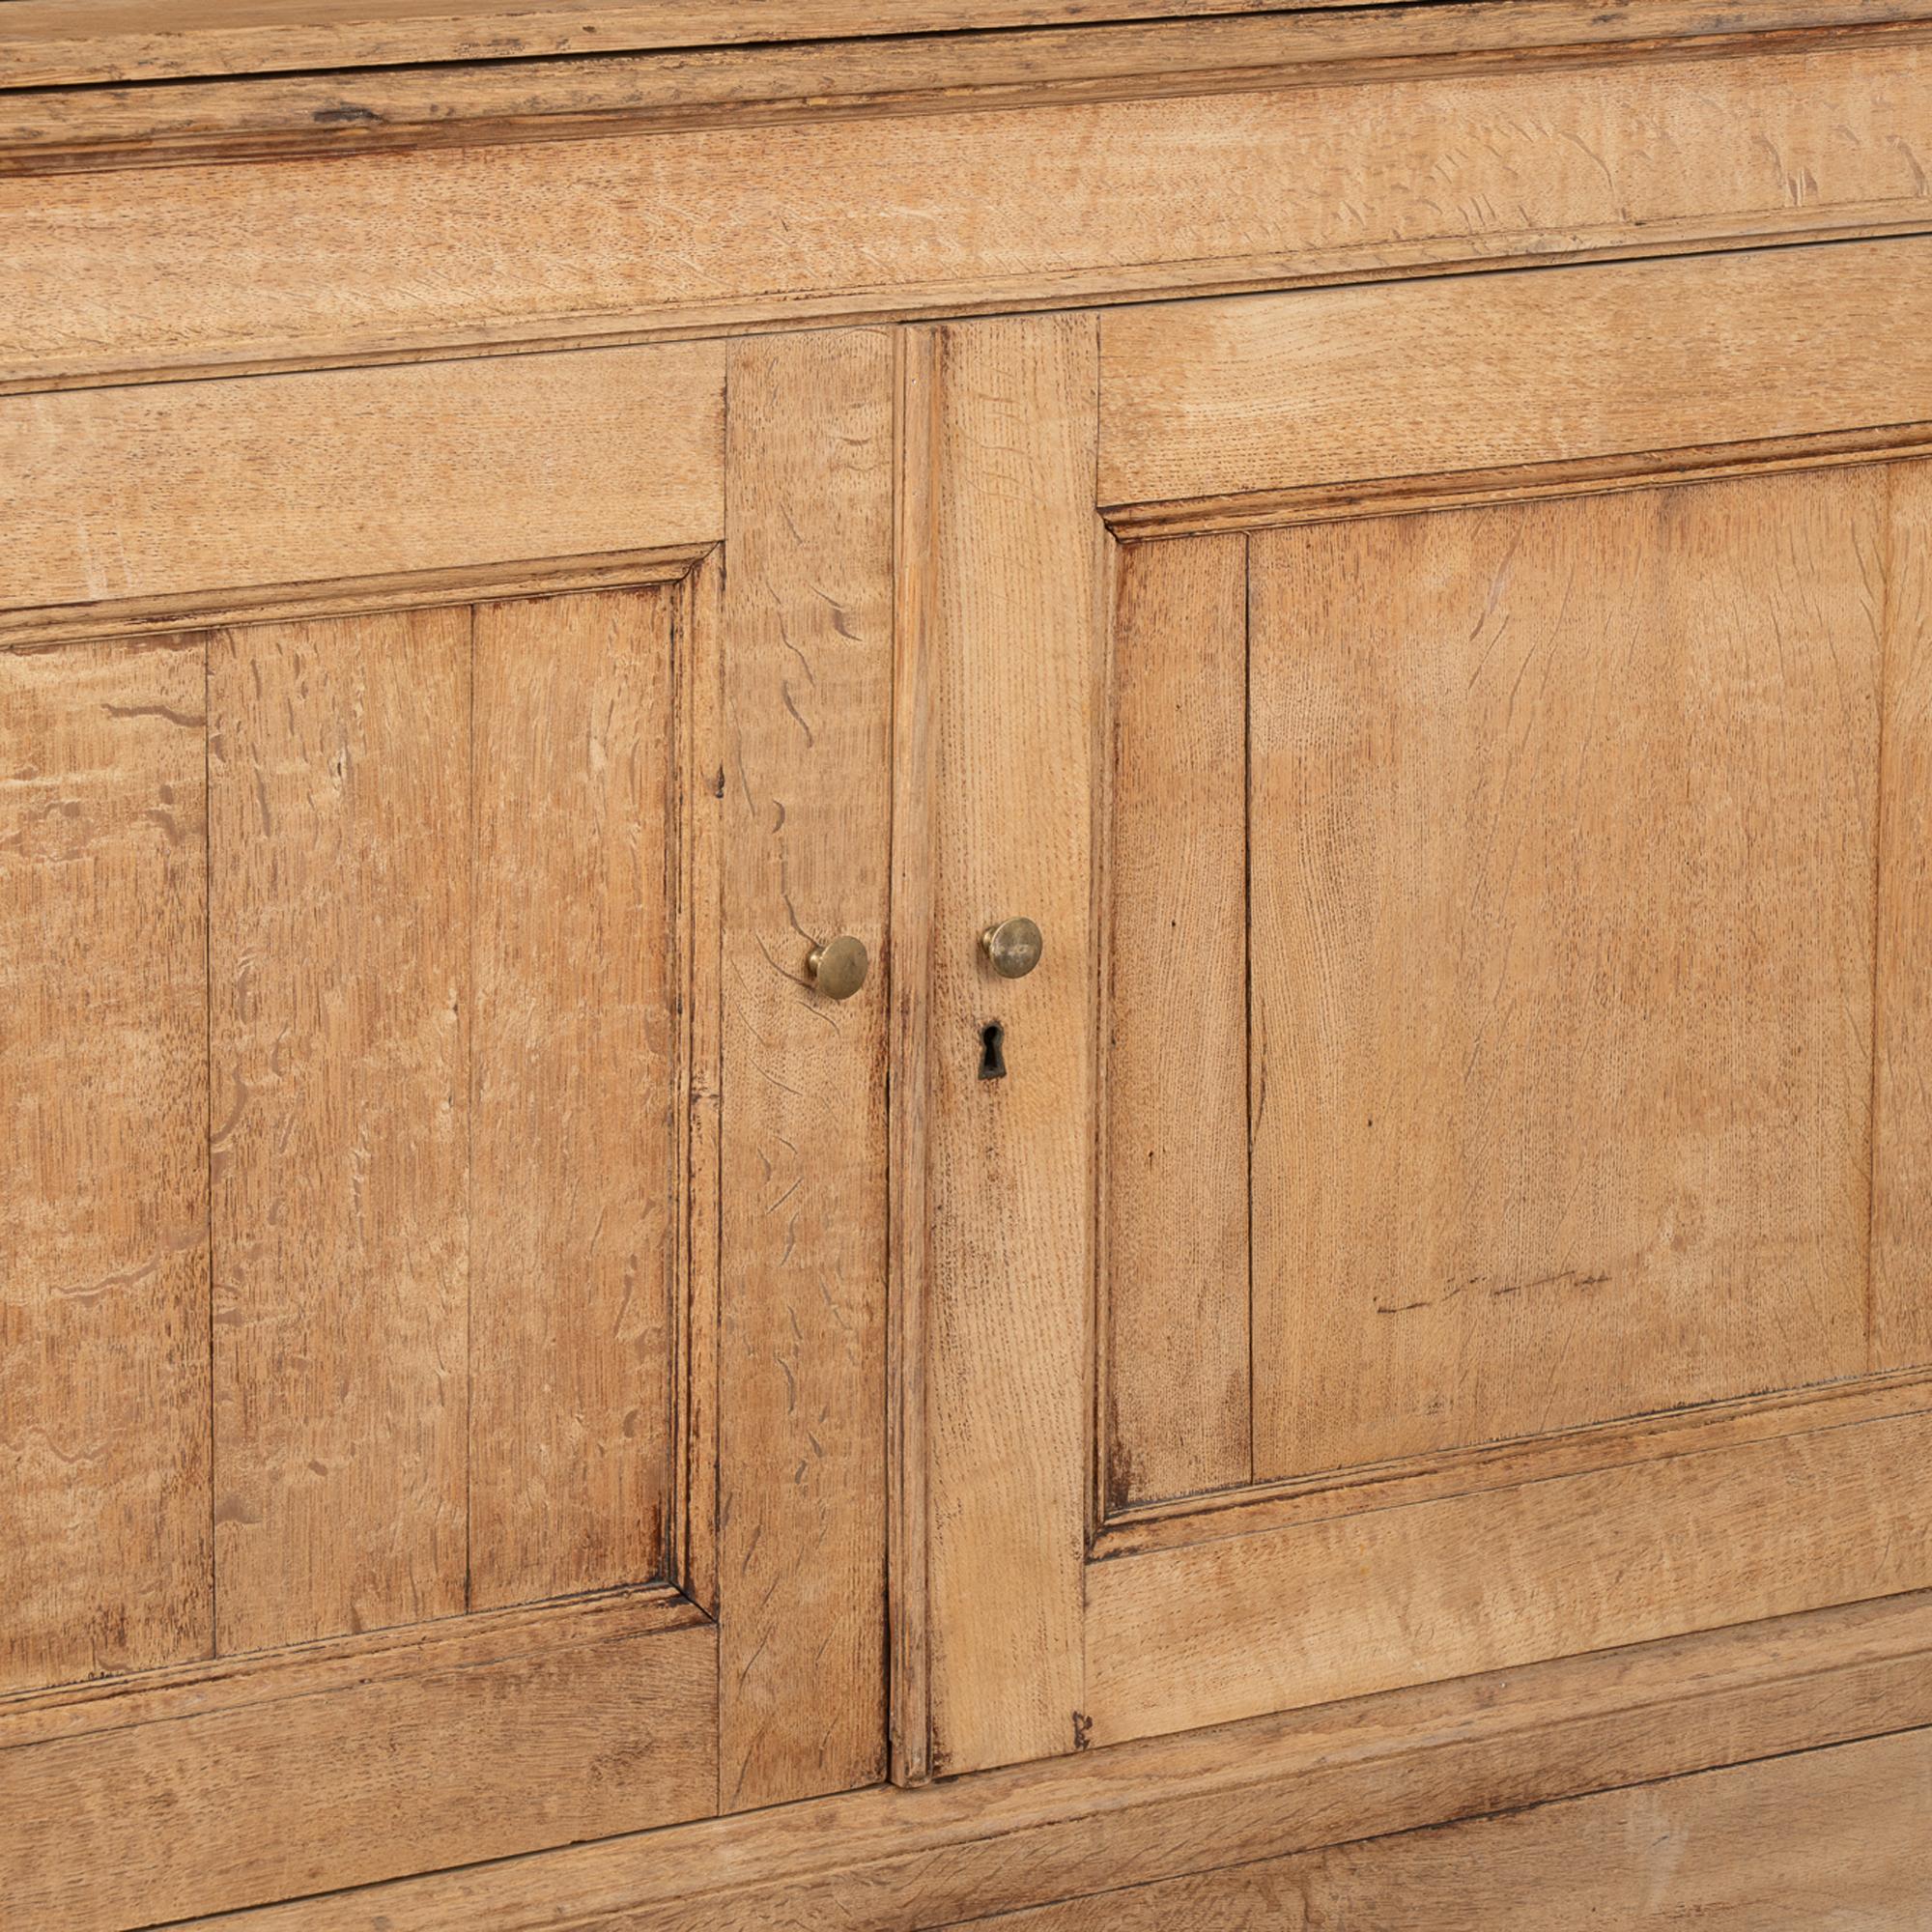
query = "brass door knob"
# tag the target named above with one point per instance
(838, 967)
(1014, 945)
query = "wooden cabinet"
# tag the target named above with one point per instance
(1455, 1195)
(401, 1337)
(519, 1406)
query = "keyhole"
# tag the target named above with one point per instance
(992, 1051)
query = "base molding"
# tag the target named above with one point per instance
(1169, 1809)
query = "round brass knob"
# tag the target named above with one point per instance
(838, 967)
(1014, 945)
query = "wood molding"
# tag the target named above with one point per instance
(917, 373)
(1471, 489)
(1495, 1466)
(332, 1664)
(306, 261)
(176, 123)
(53, 626)
(46, 43)
(891, 1861)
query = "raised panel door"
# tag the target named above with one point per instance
(1450, 1199)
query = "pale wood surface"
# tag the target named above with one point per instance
(206, 486)
(104, 125)
(1214, 398)
(1174, 1161)
(339, 1057)
(1525, 1458)
(464, 1745)
(204, 266)
(105, 1510)
(46, 42)
(805, 775)
(909, 1225)
(1016, 570)
(890, 1860)
(1563, 823)
(574, 1190)
(1902, 1128)
(1226, 1629)
(1830, 1837)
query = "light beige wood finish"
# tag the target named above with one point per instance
(513, 1404)
(44, 43)
(179, 492)
(338, 937)
(1296, 394)
(505, 1556)
(1174, 1167)
(1565, 813)
(804, 777)
(1564, 855)
(436, 1745)
(1016, 571)
(574, 1169)
(105, 126)
(1902, 1094)
(194, 268)
(103, 1163)
(1367, 1602)
(1825, 1838)
(892, 1860)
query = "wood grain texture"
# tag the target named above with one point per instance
(44, 43)
(574, 1189)
(885, 1860)
(1901, 1257)
(339, 952)
(198, 268)
(1563, 850)
(1828, 1837)
(453, 1744)
(1216, 398)
(201, 487)
(1175, 1055)
(1016, 569)
(915, 496)
(104, 1555)
(806, 777)
(48, 130)
(1226, 1629)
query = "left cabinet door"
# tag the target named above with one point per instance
(441, 1222)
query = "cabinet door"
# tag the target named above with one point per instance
(1458, 1189)
(442, 1260)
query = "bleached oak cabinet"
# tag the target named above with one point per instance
(965, 964)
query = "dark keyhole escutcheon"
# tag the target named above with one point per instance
(992, 1051)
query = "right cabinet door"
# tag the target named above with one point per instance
(1458, 1189)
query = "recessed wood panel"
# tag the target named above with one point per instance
(339, 949)
(573, 1186)
(1176, 1065)
(104, 1557)
(1563, 830)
